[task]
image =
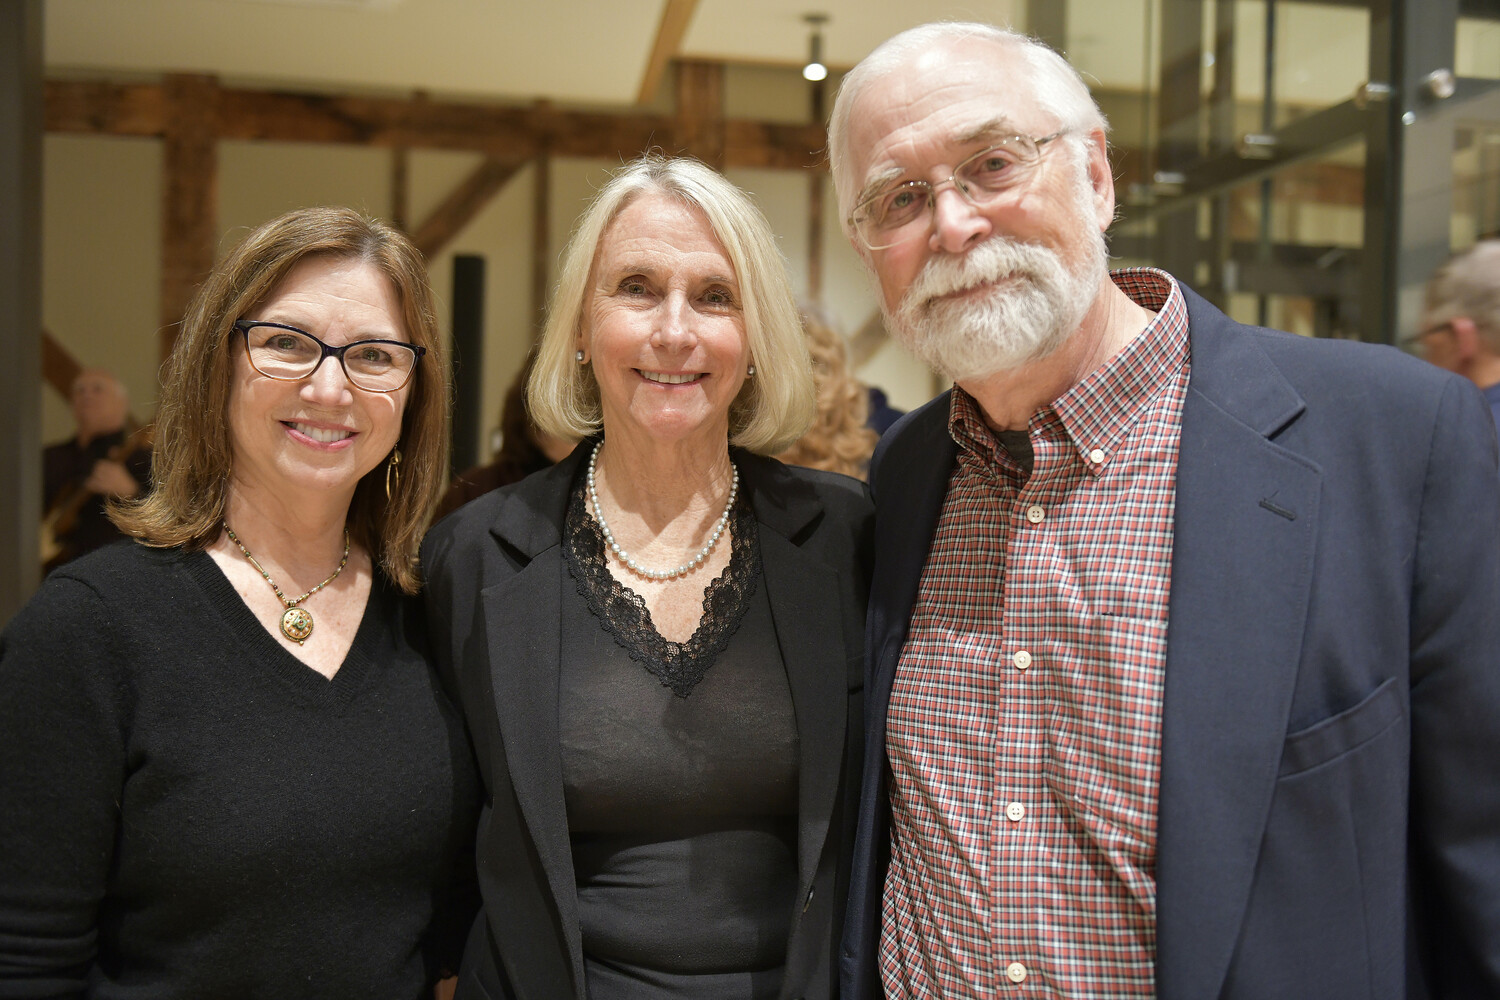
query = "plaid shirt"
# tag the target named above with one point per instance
(1025, 723)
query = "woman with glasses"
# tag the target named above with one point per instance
(657, 643)
(227, 768)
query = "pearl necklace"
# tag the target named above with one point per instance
(628, 560)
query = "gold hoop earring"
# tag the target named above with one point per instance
(393, 468)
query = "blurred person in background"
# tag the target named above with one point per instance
(523, 449)
(1460, 326)
(839, 439)
(105, 459)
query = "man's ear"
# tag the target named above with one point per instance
(1465, 337)
(1101, 178)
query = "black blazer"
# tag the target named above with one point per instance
(495, 573)
(1328, 794)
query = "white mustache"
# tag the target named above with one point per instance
(993, 260)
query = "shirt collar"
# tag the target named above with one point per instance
(1098, 412)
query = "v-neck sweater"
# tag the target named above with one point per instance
(191, 811)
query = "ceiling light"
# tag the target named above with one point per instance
(815, 70)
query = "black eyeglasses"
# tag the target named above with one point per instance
(288, 354)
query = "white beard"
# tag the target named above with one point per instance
(1032, 305)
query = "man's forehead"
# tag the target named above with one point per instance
(977, 93)
(956, 136)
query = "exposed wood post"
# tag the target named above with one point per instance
(700, 111)
(190, 193)
(21, 292)
(541, 227)
(400, 187)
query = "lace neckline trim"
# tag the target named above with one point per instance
(624, 615)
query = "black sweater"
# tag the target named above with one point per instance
(187, 810)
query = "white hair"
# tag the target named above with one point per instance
(773, 408)
(1056, 86)
(1468, 285)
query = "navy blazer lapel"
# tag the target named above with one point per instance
(1243, 542)
(524, 668)
(803, 593)
(911, 480)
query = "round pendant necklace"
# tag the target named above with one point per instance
(628, 559)
(296, 621)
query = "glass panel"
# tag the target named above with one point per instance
(1320, 57)
(1477, 49)
(1476, 184)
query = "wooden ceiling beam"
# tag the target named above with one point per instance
(676, 15)
(511, 134)
(774, 145)
(507, 132)
(700, 127)
(463, 203)
(125, 109)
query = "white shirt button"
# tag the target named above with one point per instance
(1015, 812)
(1015, 972)
(1097, 456)
(1022, 659)
(1036, 514)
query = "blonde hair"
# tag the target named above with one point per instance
(838, 440)
(191, 464)
(772, 408)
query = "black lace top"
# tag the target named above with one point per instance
(622, 612)
(680, 777)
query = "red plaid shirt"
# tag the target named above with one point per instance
(1025, 723)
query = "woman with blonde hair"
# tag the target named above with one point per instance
(657, 643)
(228, 769)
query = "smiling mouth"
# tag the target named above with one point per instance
(666, 378)
(322, 435)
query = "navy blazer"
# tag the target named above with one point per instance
(1330, 778)
(495, 573)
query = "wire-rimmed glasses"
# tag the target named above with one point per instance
(903, 211)
(288, 354)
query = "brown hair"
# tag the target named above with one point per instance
(838, 440)
(193, 456)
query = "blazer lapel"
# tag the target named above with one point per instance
(524, 668)
(804, 596)
(911, 484)
(1243, 541)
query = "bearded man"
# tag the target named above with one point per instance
(1184, 640)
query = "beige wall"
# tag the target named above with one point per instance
(101, 216)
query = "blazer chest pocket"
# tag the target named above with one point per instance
(1339, 734)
